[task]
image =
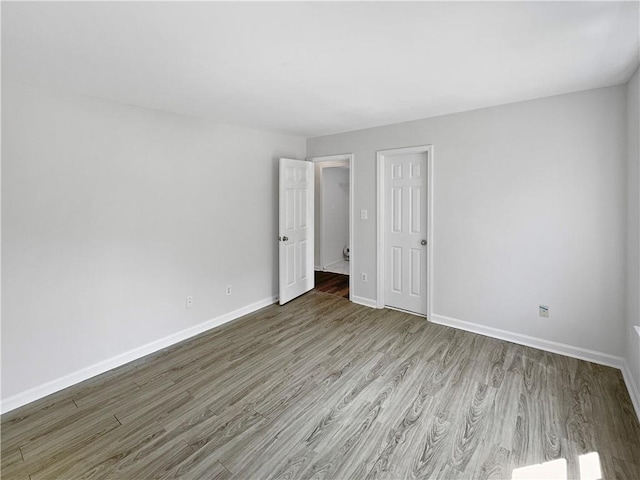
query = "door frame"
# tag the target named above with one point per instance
(320, 191)
(334, 161)
(381, 156)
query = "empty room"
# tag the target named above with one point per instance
(328, 240)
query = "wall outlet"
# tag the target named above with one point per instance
(228, 290)
(364, 214)
(544, 311)
(364, 278)
(189, 302)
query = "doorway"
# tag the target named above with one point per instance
(405, 182)
(333, 256)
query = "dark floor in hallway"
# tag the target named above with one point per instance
(333, 283)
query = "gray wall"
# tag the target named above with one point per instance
(633, 236)
(529, 209)
(112, 215)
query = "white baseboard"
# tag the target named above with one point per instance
(78, 376)
(367, 302)
(632, 387)
(550, 346)
(61, 383)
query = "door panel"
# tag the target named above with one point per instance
(295, 228)
(416, 272)
(405, 228)
(290, 253)
(415, 212)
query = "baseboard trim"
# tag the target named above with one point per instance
(548, 345)
(367, 302)
(632, 387)
(86, 373)
(41, 391)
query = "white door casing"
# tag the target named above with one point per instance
(404, 229)
(295, 235)
(346, 159)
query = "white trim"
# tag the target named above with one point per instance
(332, 158)
(380, 158)
(343, 157)
(632, 387)
(637, 329)
(550, 346)
(321, 221)
(367, 302)
(78, 376)
(542, 344)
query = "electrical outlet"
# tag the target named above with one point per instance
(544, 311)
(364, 214)
(364, 278)
(189, 302)
(228, 291)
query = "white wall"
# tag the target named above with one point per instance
(112, 215)
(633, 234)
(529, 209)
(335, 213)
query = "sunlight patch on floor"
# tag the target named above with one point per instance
(590, 466)
(557, 469)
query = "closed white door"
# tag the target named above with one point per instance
(405, 231)
(295, 236)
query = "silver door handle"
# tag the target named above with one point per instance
(423, 242)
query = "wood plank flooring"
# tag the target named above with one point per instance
(333, 283)
(324, 388)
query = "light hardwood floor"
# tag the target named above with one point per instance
(324, 388)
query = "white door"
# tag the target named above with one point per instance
(405, 230)
(296, 228)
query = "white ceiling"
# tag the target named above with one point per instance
(319, 68)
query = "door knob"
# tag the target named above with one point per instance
(423, 242)
(284, 239)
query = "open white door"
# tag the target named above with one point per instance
(295, 228)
